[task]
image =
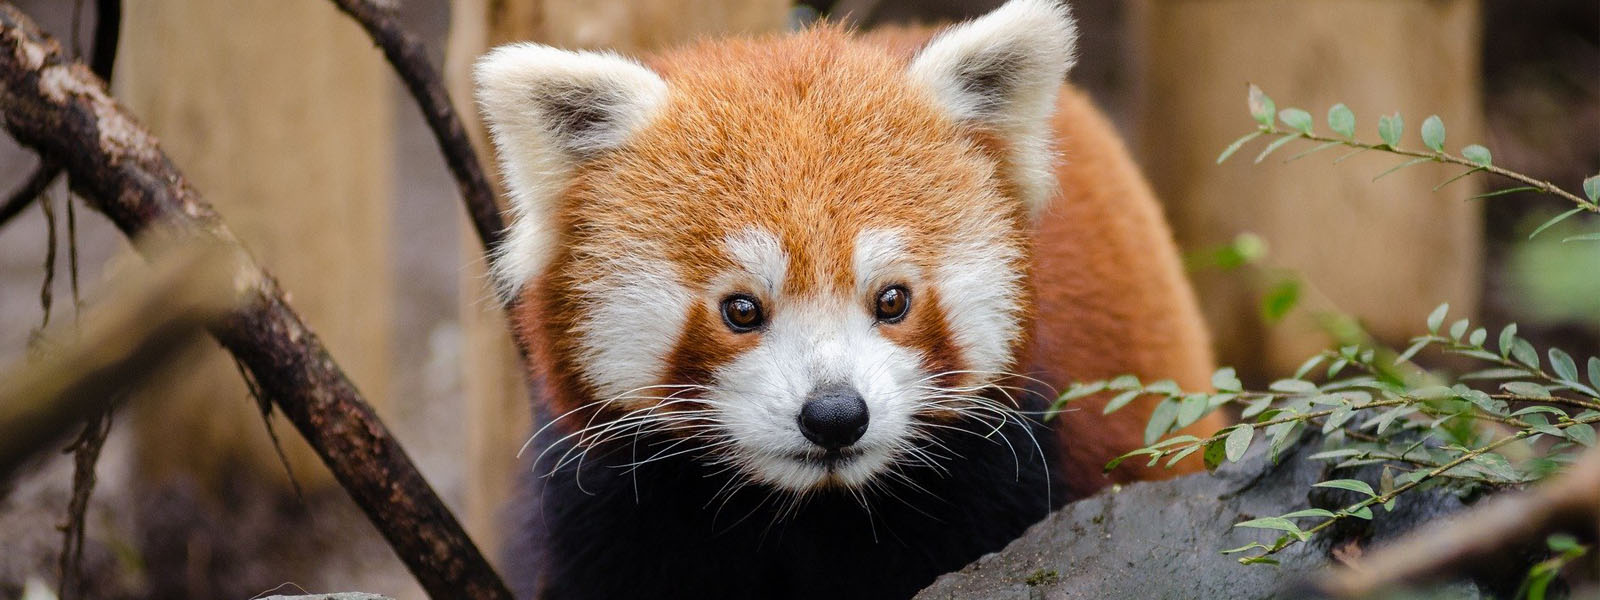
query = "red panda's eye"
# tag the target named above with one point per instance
(741, 313)
(893, 304)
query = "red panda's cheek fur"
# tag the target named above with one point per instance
(705, 346)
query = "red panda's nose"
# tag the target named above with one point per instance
(834, 416)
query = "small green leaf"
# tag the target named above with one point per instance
(1293, 386)
(1456, 177)
(1239, 143)
(1436, 318)
(1591, 187)
(1459, 328)
(1508, 338)
(1161, 420)
(1279, 300)
(1494, 374)
(1314, 149)
(1594, 371)
(1342, 121)
(1279, 143)
(1520, 188)
(1165, 387)
(1409, 163)
(1246, 547)
(1296, 119)
(1238, 441)
(1256, 407)
(1354, 485)
(1539, 409)
(1337, 419)
(1124, 382)
(1339, 453)
(1307, 366)
(1361, 513)
(1527, 389)
(1226, 380)
(1276, 523)
(1582, 433)
(1389, 128)
(1261, 107)
(1182, 454)
(1259, 560)
(1433, 392)
(1525, 354)
(1120, 401)
(1553, 220)
(1433, 133)
(1079, 390)
(1561, 542)
(1478, 336)
(1309, 512)
(1562, 363)
(1478, 154)
(1190, 409)
(1412, 350)
(1283, 434)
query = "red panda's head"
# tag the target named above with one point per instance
(799, 254)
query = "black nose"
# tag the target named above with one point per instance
(834, 416)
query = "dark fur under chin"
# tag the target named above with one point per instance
(662, 531)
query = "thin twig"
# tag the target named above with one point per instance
(1445, 157)
(37, 182)
(410, 60)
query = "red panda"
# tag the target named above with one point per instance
(798, 304)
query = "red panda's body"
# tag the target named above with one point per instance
(799, 300)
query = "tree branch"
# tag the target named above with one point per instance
(63, 111)
(107, 27)
(410, 60)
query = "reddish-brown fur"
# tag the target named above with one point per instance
(731, 150)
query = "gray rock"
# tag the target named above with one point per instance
(1163, 539)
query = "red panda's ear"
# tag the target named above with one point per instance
(1002, 71)
(548, 110)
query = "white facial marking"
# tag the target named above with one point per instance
(761, 256)
(979, 289)
(633, 315)
(879, 260)
(815, 342)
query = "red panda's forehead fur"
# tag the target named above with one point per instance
(812, 138)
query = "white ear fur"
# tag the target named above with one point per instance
(1004, 70)
(547, 110)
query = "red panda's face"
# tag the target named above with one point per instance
(797, 257)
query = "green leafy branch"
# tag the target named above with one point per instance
(1375, 407)
(1342, 121)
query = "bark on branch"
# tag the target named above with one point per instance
(62, 110)
(103, 57)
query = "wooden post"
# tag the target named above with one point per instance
(496, 397)
(1385, 252)
(280, 112)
